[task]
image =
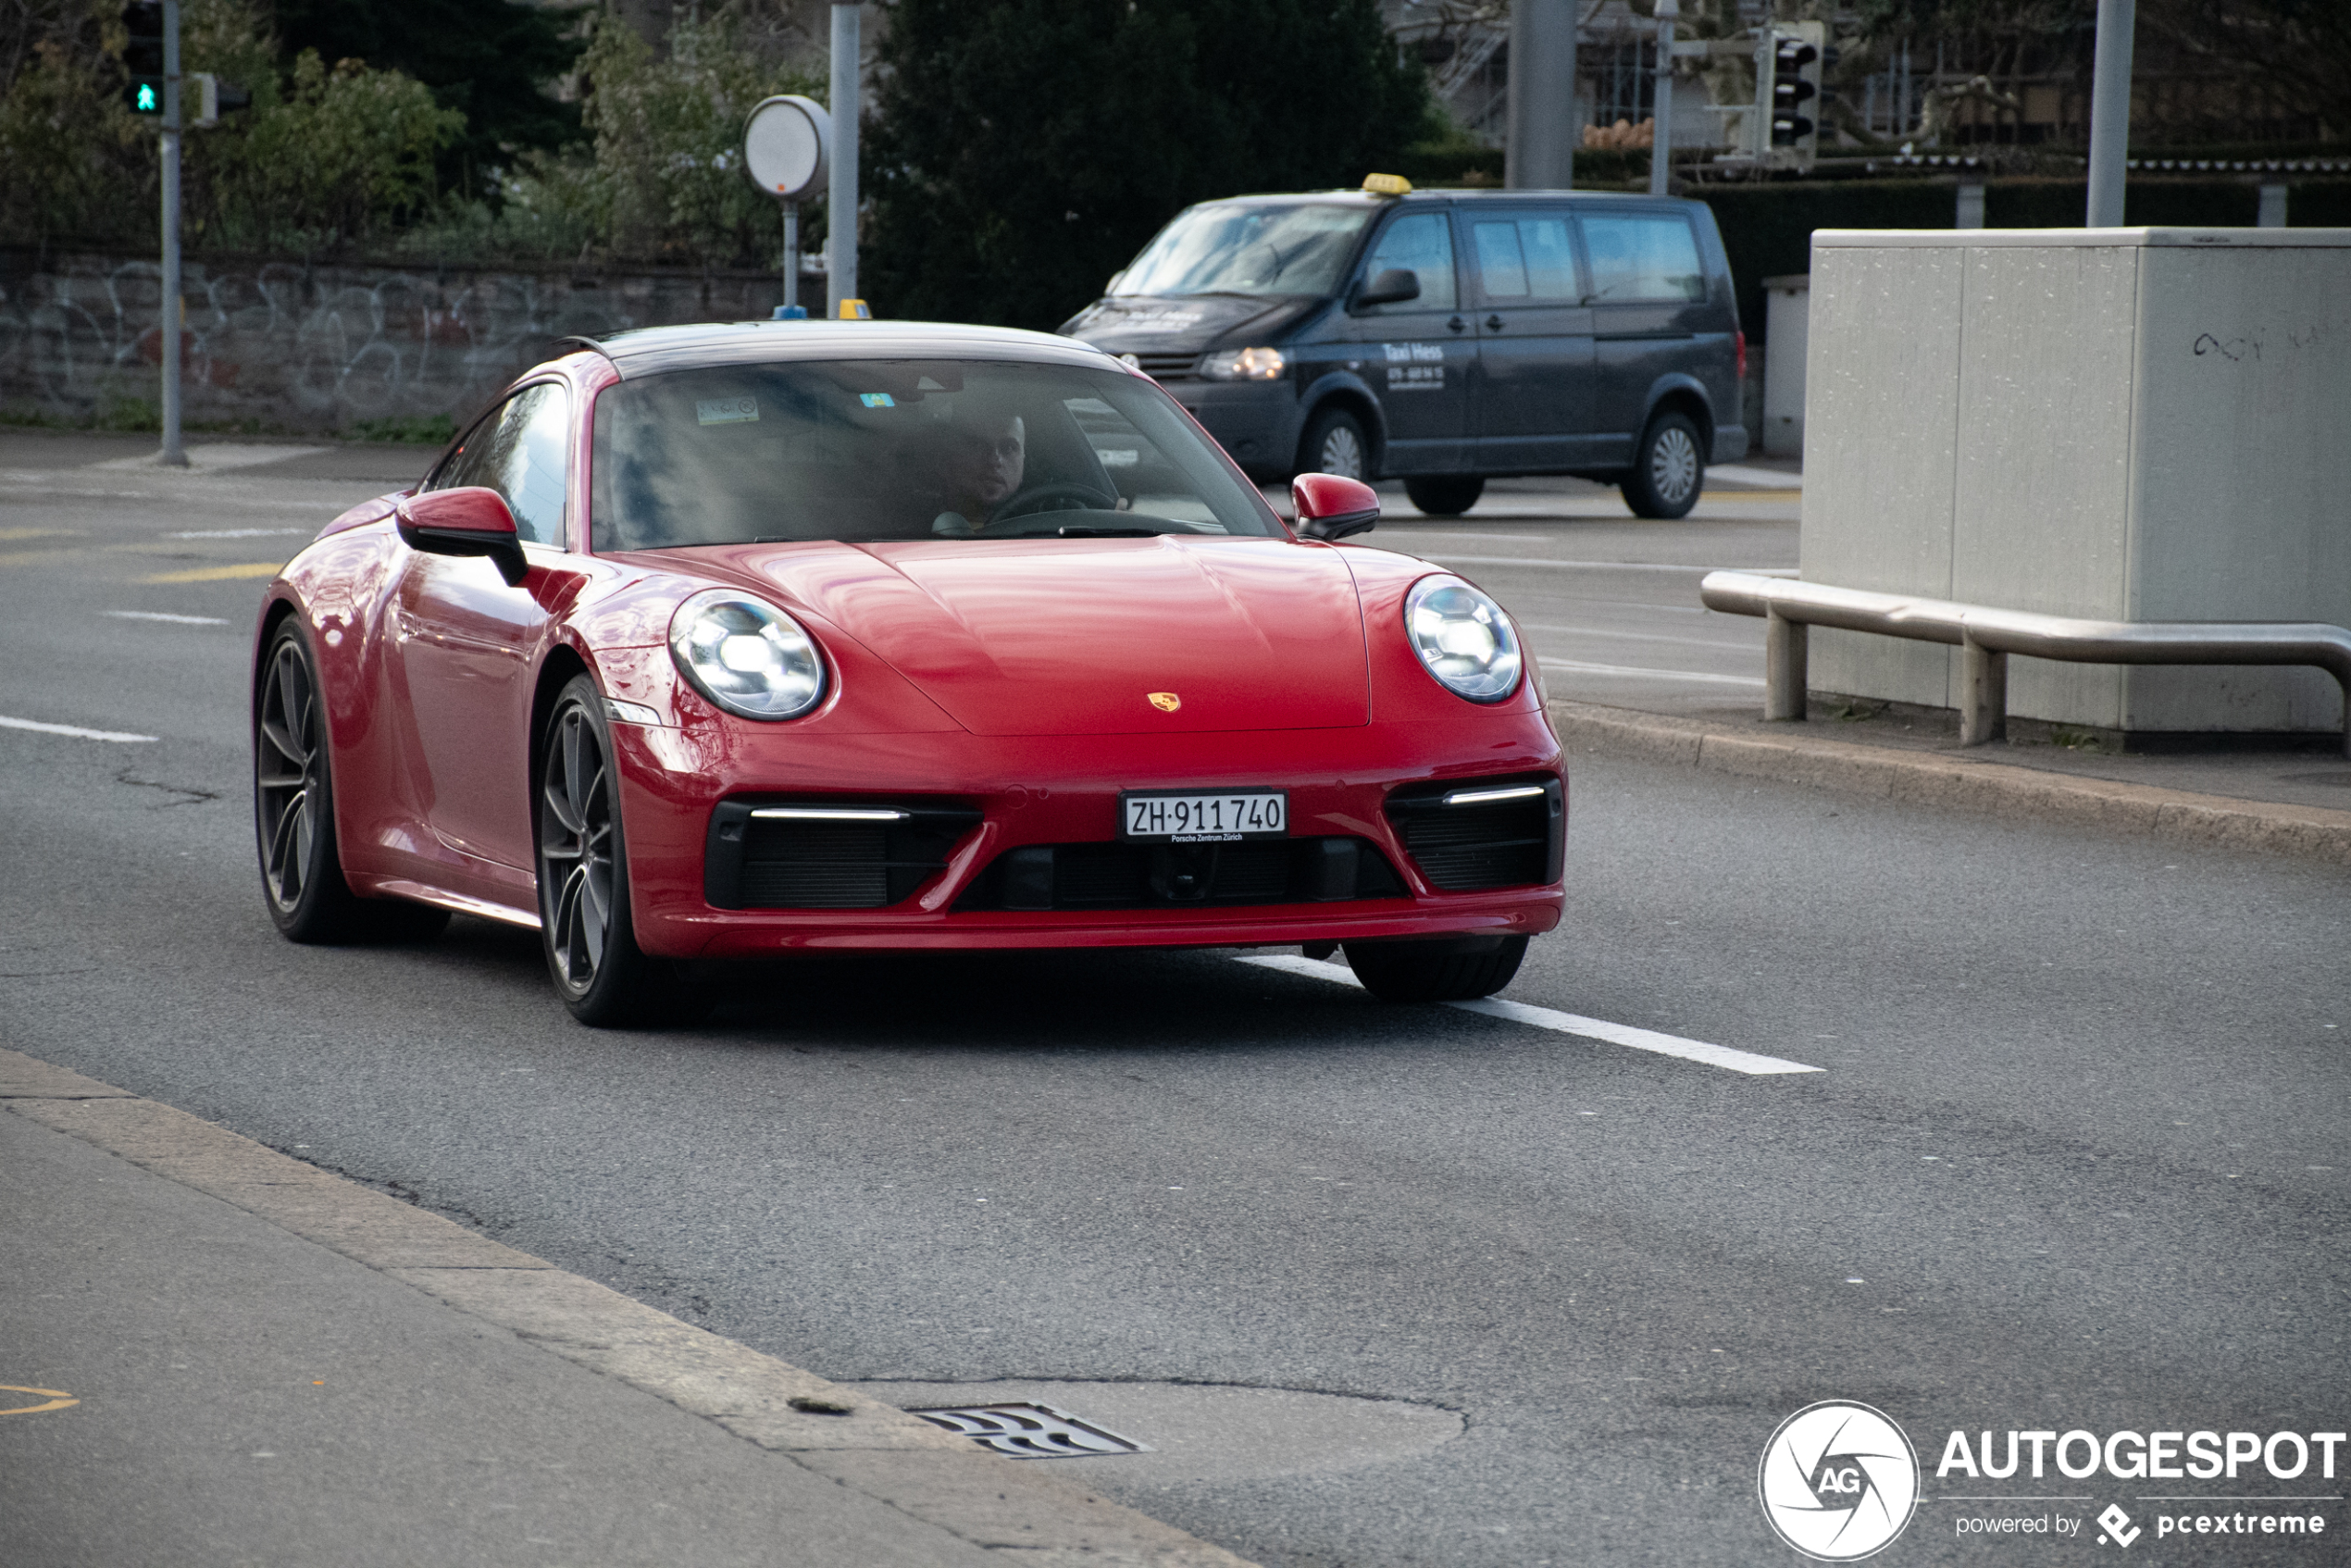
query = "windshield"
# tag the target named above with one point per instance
(1249, 248)
(872, 448)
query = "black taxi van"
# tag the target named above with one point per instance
(1444, 338)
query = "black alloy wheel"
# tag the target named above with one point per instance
(1445, 495)
(585, 929)
(293, 808)
(1669, 468)
(1334, 443)
(1439, 970)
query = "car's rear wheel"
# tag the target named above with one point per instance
(293, 807)
(1444, 969)
(1334, 443)
(1669, 468)
(1445, 495)
(585, 927)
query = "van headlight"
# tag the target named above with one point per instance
(1244, 365)
(1463, 638)
(750, 658)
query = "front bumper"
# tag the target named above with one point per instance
(1255, 422)
(1059, 790)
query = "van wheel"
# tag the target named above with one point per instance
(1435, 970)
(1445, 495)
(1334, 443)
(1669, 468)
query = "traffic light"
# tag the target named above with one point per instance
(142, 56)
(1795, 81)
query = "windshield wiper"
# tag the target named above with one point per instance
(1079, 531)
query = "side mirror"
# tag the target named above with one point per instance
(1330, 508)
(1396, 285)
(468, 520)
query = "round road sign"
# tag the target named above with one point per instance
(787, 146)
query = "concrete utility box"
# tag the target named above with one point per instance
(2118, 424)
(1786, 300)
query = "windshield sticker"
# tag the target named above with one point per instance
(727, 410)
(878, 400)
(1160, 320)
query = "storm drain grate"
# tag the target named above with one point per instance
(1031, 1431)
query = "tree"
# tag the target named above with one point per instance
(1024, 150)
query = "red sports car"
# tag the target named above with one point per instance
(737, 642)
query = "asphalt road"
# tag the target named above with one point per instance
(2075, 1156)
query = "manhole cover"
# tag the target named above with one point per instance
(1025, 1430)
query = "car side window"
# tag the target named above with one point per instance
(1642, 256)
(1525, 260)
(1423, 245)
(521, 450)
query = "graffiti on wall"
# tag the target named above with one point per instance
(319, 348)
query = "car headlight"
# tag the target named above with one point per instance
(1463, 638)
(1244, 365)
(750, 658)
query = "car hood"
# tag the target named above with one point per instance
(1191, 324)
(1072, 637)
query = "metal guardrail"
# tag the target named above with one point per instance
(1988, 636)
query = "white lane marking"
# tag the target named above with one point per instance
(159, 616)
(1768, 479)
(235, 533)
(1571, 565)
(73, 729)
(1579, 668)
(1560, 1023)
(1643, 637)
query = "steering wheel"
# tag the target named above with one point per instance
(1064, 496)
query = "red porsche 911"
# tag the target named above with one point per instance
(739, 641)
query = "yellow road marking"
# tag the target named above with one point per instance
(220, 574)
(58, 1400)
(13, 534)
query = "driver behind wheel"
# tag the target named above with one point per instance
(981, 464)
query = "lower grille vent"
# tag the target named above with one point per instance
(1487, 833)
(829, 854)
(1124, 876)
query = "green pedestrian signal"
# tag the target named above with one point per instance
(144, 97)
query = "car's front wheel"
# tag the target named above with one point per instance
(1669, 468)
(584, 922)
(1444, 969)
(1445, 495)
(1334, 443)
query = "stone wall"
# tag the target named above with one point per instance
(319, 348)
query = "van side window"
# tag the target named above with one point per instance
(1639, 257)
(1423, 245)
(1528, 259)
(521, 450)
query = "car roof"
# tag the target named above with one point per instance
(1441, 195)
(647, 351)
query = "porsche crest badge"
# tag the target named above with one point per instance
(1165, 702)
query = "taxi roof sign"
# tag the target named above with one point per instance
(1387, 184)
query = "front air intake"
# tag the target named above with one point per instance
(1475, 835)
(826, 855)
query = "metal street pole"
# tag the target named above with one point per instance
(840, 239)
(1661, 108)
(171, 455)
(791, 255)
(2110, 111)
(1540, 154)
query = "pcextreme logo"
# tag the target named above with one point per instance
(1840, 1481)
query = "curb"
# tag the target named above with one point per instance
(1787, 756)
(992, 1503)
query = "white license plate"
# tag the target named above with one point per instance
(1190, 817)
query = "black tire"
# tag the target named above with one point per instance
(1445, 495)
(1441, 970)
(1669, 468)
(294, 809)
(1335, 443)
(584, 923)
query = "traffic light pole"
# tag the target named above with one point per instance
(172, 455)
(1662, 103)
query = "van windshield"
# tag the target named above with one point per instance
(1249, 248)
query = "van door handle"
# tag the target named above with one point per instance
(1456, 324)
(1493, 323)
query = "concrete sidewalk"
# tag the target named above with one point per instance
(244, 1359)
(2264, 802)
